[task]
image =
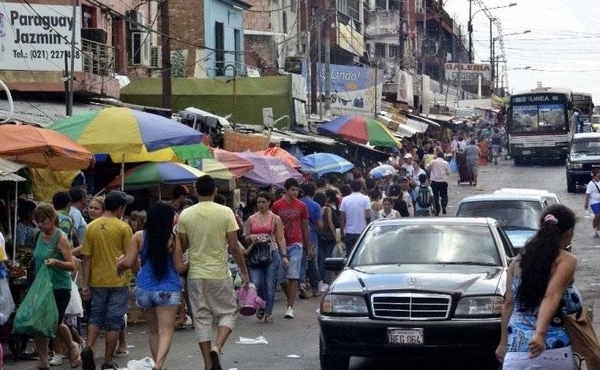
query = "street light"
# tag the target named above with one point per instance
(470, 24)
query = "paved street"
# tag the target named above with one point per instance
(293, 344)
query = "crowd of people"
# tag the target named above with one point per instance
(178, 255)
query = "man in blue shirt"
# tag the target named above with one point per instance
(315, 222)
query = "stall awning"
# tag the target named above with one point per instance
(424, 119)
(417, 125)
(407, 130)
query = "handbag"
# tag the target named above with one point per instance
(584, 342)
(260, 255)
(38, 315)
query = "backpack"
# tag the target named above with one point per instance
(424, 199)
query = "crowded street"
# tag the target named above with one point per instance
(293, 344)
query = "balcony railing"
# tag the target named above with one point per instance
(98, 59)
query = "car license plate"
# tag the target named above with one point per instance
(526, 152)
(405, 336)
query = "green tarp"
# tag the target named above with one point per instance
(216, 95)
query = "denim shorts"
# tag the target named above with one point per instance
(294, 255)
(109, 306)
(148, 299)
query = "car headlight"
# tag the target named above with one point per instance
(344, 305)
(575, 166)
(479, 306)
(517, 145)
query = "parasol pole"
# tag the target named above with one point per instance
(159, 192)
(123, 173)
(14, 230)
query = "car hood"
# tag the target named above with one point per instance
(584, 157)
(518, 238)
(449, 279)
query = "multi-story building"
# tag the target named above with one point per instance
(270, 34)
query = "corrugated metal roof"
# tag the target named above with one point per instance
(41, 113)
(8, 169)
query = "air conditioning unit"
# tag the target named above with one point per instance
(140, 49)
(137, 21)
(156, 57)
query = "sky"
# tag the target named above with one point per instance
(562, 50)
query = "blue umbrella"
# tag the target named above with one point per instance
(320, 163)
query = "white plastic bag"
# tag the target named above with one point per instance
(339, 250)
(144, 364)
(7, 304)
(75, 307)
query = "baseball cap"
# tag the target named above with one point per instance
(116, 199)
(407, 155)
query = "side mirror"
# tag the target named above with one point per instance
(335, 263)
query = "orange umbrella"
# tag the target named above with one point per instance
(277, 152)
(42, 148)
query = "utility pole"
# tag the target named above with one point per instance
(470, 30)
(165, 55)
(327, 58)
(307, 59)
(401, 35)
(491, 56)
(71, 73)
(313, 62)
(423, 92)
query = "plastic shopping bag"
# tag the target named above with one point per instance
(453, 165)
(144, 364)
(37, 314)
(75, 307)
(7, 304)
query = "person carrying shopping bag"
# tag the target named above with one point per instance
(53, 251)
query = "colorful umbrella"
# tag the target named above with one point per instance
(383, 170)
(42, 148)
(118, 130)
(320, 163)
(268, 170)
(359, 129)
(277, 152)
(156, 173)
(223, 170)
(177, 153)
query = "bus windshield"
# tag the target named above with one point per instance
(549, 117)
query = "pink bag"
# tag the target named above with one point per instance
(249, 301)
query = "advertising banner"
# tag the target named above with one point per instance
(354, 90)
(38, 37)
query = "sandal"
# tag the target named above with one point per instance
(120, 353)
(180, 326)
(268, 319)
(260, 313)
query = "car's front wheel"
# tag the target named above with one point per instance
(332, 362)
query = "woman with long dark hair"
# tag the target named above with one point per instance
(539, 292)
(158, 289)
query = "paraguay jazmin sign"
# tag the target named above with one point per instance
(38, 37)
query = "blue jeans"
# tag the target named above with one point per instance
(109, 306)
(326, 249)
(310, 267)
(265, 280)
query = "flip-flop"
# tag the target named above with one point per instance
(182, 326)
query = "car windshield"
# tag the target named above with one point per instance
(591, 146)
(427, 244)
(510, 213)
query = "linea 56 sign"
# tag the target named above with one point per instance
(38, 38)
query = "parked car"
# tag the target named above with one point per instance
(518, 214)
(417, 288)
(551, 198)
(583, 157)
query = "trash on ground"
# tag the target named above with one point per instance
(257, 340)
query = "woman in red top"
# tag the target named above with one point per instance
(264, 225)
